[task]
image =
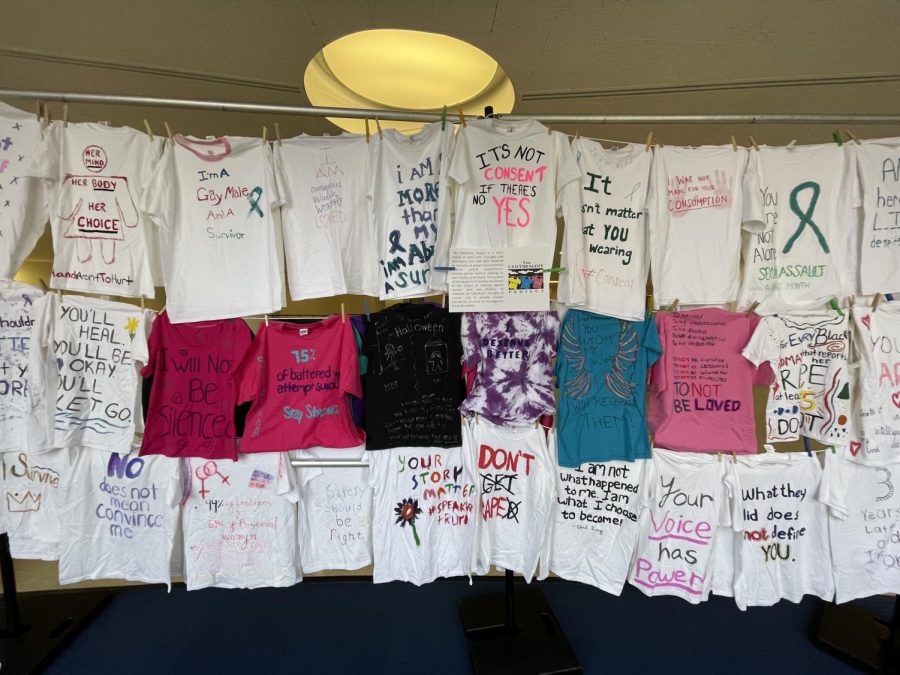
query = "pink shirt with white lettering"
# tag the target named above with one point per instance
(299, 377)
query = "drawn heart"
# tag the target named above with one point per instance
(895, 397)
(855, 447)
(176, 399)
(183, 352)
(866, 320)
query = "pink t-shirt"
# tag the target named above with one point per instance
(701, 390)
(192, 401)
(298, 377)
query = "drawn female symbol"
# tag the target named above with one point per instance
(806, 216)
(254, 197)
(208, 470)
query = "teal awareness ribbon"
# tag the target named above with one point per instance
(254, 197)
(806, 216)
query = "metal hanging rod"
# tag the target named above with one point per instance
(410, 116)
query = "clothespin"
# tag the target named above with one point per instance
(770, 449)
(753, 143)
(462, 116)
(792, 143)
(649, 142)
(753, 307)
(674, 306)
(44, 285)
(443, 300)
(444, 118)
(733, 144)
(549, 130)
(807, 447)
(378, 126)
(875, 301)
(277, 133)
(143, 306)
(833, 451)
(149, 130)
(47, 116)
(852, 137)
(833, 303)
(265, 135)
(266, 319)
(733, 458)
(719, 457)
(169, 132)
(836, 135)
(65, 114)
(366, 307)
(343, 314)
(38, 109)
(554, 269)
(851, 300)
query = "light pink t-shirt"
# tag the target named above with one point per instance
(192, 401)
(701, 390)
(299, 377)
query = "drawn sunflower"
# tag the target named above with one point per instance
(406, 512)
(131, 325)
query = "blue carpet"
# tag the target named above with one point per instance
(351, 626)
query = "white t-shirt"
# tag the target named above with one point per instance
(424, 514)
(96, 175)
(23, 207)
(240, 523)
(878, 161)
(120, 518)
(216, 204)
(517, 490)
(335, 518)
(408, 197)
(509, 176)
(86, 353)
(328, 239)
(605, 252)
(595, 522)
(865, 540)
(20, 429)
(783, 551)
(32, 488)
(876, 346)
(811, 391)
(805, 254)
(697, 204)
(686, 503)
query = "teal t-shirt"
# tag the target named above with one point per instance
(601, 371)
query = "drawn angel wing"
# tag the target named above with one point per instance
(580, 385)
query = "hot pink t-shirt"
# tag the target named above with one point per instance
(701, 390)
(192, 401)
(298, 377)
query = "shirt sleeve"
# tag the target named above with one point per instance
(753, 214)
(441, 258)
(651, 341)
(350, 379)
(833, 487)
(551, 332)
(658, 378)
(460, 172)
(287, 480)
(175, 484)
(39, 355)
(471, 340)
(763, 375)
(571, 289)
(567, 169)
(280, 174)
(45, 163)
(247, 375)
(276, 198)
(157, 193)
(731, 481)
(762, 346)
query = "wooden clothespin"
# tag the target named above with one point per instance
(368, 135)
(852, 137)
(65, 114)
(753, 307)
(577, 134)
(875, 301)
(753, 143)
(266, 319)
(733, 144)
(149, 130)
(443, 300)
(169, 132)
(836, 306)
(47, 115)
(44, 285)
(852, 302)
(462, 116)
(343, 314)
(444, 118)
(674, 306)
(39, 109)
(649, 142)
(733, 458)
(719, 457)
(265, 135)
(549, 130)
(378, 126)
(277, 133)
(143, 305)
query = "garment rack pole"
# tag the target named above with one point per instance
(417, 116)
(330, 463)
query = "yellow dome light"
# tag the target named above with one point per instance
(405, 70)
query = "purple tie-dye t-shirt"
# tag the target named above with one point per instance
(512, 353)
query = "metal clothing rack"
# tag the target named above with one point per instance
(501, 640)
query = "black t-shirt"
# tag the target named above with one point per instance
(413, 382)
